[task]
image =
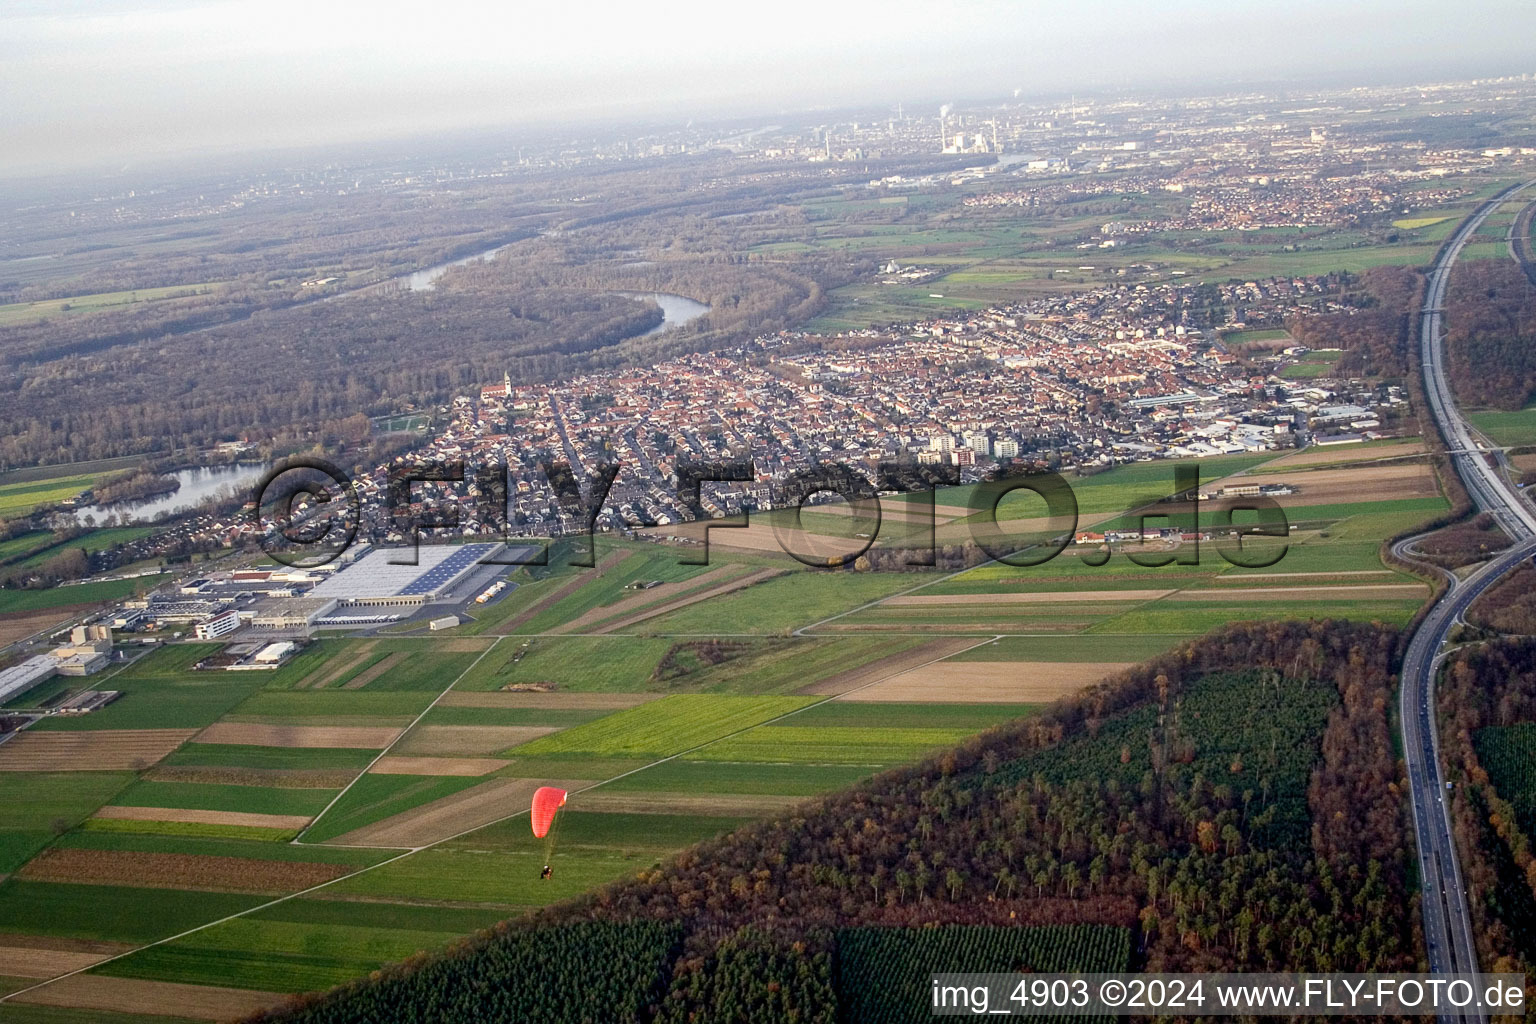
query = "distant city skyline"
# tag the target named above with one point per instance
(109, 82)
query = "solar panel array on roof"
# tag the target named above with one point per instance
(445, 572)
(378, 575)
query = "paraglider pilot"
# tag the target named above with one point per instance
(547, 801)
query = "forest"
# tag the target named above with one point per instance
(1487, 705)
(1490, 308)
(1377, 334)
(1509, 606)
(1472, 540)
(1234, 804)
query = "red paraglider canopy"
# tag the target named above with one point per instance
(546, 801)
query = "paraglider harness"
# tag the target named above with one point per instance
(544, 875)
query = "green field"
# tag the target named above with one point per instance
(884, 715)
(76, 305)
(335, 707)
(781, 604)
(22, 545)
(1184, 616)
(1313, 364)
(109, 913)
(160, 691)
(1248, 337)
(68, 596)
(1507, 428)
(606, 587)
(663, 727)
(36, 806)
(374, 797)
(1067, 648)
(277, 956)
(40, 547)
(690, 776)
(617, 664)
(860, 745)
(188, 830)
(18, 499)
(220, 846)
(205, 796)
(23, 1013)
(371, 666)
(237, 756)
(560, 718)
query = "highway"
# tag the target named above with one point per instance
(1447, 926)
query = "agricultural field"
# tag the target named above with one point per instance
(37, 806)
(20, 498)
(1507, 428)
(663, 728)
(76, 305)
(388, 777)
(69, 596)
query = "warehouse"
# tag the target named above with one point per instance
(22, 677)
(376, 580)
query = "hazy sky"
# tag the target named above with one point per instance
(89, 81)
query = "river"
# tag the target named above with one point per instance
(426, 280)
(676, 310)
(197, 486)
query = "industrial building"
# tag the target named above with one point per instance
(376, 579)
(89, 651)
(19, 678)
(216, 626)
(290, 612)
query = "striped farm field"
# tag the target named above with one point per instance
(664, 727)
(450, 815)
(259, 799)
(264, 758)
(128, 995)
(831, 744)
(983, 682)
(399, 765)
(431, 740)
(100, 750)
(20, 959)
(195, 816)
(265, 735)
(516, 700)
(177, 871)
(724, 777)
